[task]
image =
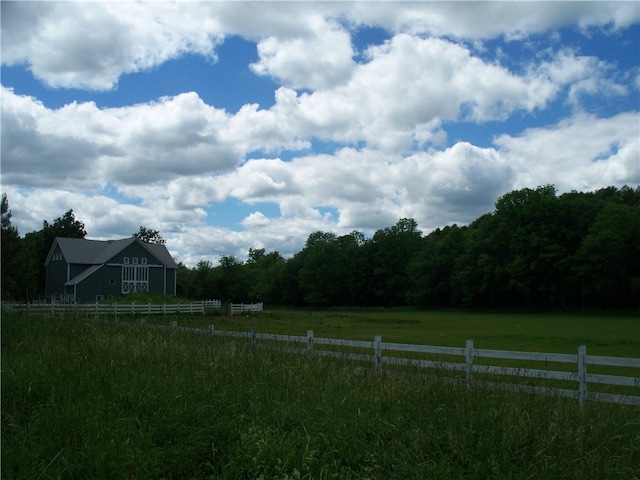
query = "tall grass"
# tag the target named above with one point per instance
(94, 400)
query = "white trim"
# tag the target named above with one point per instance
(128, 264)
(135, 278)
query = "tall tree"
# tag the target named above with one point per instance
(202, 285)
(15, 279)
(230, 280)
(149, 235)
(609, 266)
(319, 276)
(392, 249)
(431, 269)
(6, 213)
(265, 271)
(39, 243)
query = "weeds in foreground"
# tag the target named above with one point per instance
(92, 400)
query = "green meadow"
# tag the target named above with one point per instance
(93, 400)
(615, 335)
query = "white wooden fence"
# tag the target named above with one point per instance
(378, 353)
(467, 363)
(235, 308)
(113, 309)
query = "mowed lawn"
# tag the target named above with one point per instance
(614, 335)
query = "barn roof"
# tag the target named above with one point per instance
(96, 252)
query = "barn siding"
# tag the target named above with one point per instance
(106, 281)
(56, 275)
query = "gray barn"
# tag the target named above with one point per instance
(81, 270)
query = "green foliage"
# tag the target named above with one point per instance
(6, 214)
(13, 276)
(433, 266)
(610, 258)
(265, 271)
(37, 245)
(90, 401)
(537, 250)
(149, 235)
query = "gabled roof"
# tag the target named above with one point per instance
(96, 252)
(78, 278)
(78, 250)
(161, 253)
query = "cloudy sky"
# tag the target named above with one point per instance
(232, 125)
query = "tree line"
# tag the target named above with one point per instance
(536, 250)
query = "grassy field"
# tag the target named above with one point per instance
(616, 335)
(92, 400)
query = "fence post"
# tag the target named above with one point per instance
(582, 374)
(115, 312)
(212, 329)
(468, 353)
(254, 335)
(174, 326)
(310, 341)
(377, 352)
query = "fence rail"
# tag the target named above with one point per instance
(467, 360)
(114, 309)
(235, 308)
(379, 354)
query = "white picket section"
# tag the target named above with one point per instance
(115, 309)
(235, 308)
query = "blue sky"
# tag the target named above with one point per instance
(236, 125)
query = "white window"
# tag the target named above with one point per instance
(135, 260)
(143, 260)
(125, 260)
(135, 279)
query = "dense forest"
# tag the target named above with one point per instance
(536, 250)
